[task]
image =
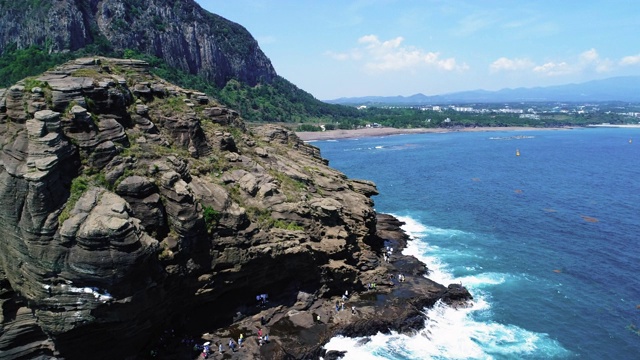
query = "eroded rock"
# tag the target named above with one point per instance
(139, 208)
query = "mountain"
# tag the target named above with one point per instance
(185, 43)
(181, 33)
(624, 88)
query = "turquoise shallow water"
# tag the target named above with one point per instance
(547, 242)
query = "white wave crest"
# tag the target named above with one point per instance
(450, 333)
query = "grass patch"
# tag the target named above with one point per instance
(264, 219)
(90, 73)
(172, 105)
(290, 187)
(292, 226)
(211, 218)
(30, 83)
(78, 187)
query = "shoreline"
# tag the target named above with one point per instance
(387, 131)
(300, 324)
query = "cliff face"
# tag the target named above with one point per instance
(178, 31)
(128, 204)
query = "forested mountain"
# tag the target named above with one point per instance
(185, 43)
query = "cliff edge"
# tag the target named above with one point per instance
(129, 206)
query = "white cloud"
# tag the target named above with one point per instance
(586, 61)
(392, 55)
(554, 68)
(604, 65)
(590, 55)
(590, 59)
(506, 64)
(630, 60)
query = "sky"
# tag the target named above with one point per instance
(350, 48)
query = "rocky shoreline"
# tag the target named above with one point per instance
(299, 328)
(141, 219)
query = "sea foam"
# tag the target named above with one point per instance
(452, 333)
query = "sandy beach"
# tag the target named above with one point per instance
(385, 131)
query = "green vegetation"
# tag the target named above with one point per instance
(308, 127)
(281, 101)
(264, 219)
(78, 187)
(211, 217)
(30, 83)
(491, 116)
(90, 73)
(292, 188)
(17, 64)
(24, 5)
(291, 226)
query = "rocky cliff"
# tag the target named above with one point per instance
(178, 31)
(129, 206)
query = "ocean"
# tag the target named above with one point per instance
(547, 242)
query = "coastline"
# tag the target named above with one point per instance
(386, 131)
(300, 326)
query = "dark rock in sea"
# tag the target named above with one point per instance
(334, 355)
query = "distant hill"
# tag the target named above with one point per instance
(623, 88)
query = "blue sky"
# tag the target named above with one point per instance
(346, 48)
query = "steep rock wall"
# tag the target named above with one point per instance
(129, 204)
(182, 33)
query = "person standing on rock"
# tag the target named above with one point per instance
(240, 340)
(205, 351)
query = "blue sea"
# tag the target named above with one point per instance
(547, 242)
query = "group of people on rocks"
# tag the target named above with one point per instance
(262, 299)
(262, 339)
(340, 304)
(233, 346)
(387, 254)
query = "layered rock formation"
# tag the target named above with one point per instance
(129, 205)
(180, 32)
